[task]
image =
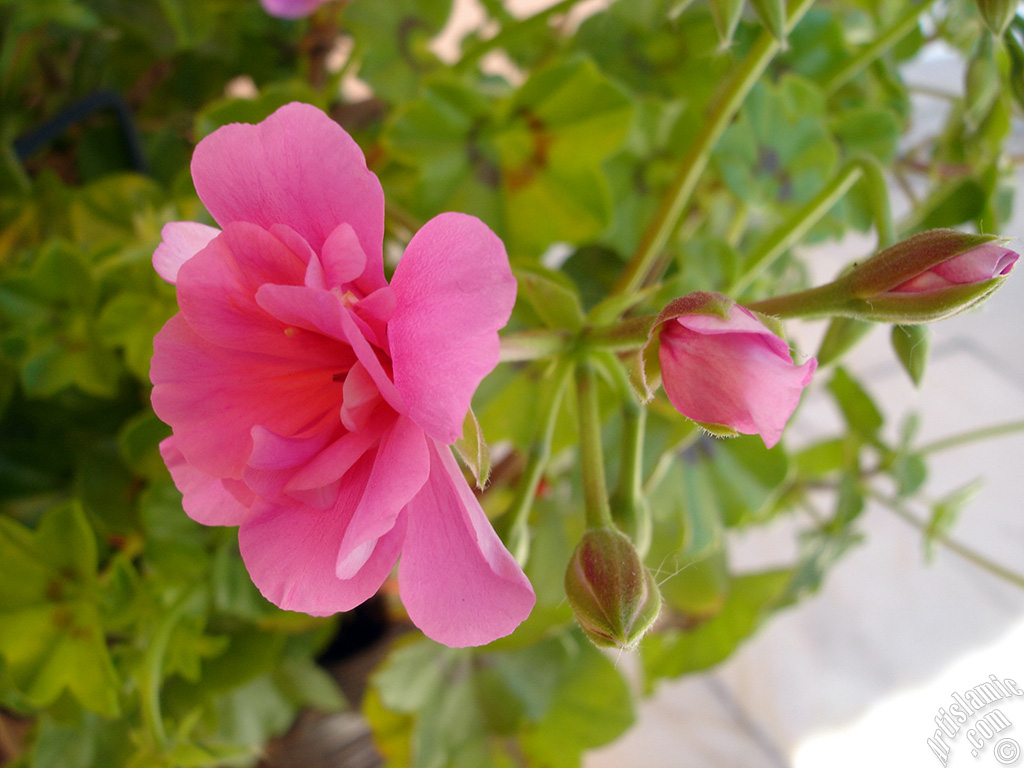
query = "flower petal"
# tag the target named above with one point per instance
(454, 290)
(204, 498)
(457, 581)
(212, 397)
(180, 241)
(400, 469)
(740, 380)
(291, 9)
(217, 295)
(327, 313)
(291, 552)
(298, 167)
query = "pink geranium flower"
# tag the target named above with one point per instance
(312, 404)
(291, 9)
(721, 366)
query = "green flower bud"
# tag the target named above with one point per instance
(997, 14)
(611, 592)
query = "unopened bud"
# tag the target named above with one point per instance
(997, 14)
(611, 592)
(927, 277)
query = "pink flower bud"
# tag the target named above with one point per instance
(981, 263)
(724, 368)
(611, 592)
(927, 277)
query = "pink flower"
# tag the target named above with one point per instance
(312, 403)
(291, 9)
(980, 263)
(720, 365)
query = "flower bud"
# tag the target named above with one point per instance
(611, 592)
(727, 368)
(997, 14)
(927, 277)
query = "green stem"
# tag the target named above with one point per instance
(953, 545)
(533, 345)
(509, 33)
(862, 169)
(622, 337)
(814, 302)
(854, 66)
(726, 105)
(975, 435)
(149, 685)
(595, 491)
(794, 228)
(630, 510)
(518, 536)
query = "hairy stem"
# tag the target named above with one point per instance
(972, 436)
(976, 558)
(518, 537)
(595, 490)
(726, 105)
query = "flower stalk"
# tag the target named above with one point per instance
(724, 109)
(595, 490)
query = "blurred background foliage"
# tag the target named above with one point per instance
(131, 636)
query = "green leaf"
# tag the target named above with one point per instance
(553, 297)
(869, 131)
(591, 706)
(473, 450)
(946, 512)
(738, 478)
(841, 336)
(394, 38)
(129, 321)
(820, 550)
(822, 458)
(306, 685)
(953, 202)
(911, 344)
(139, 441)
(114, 209)
(859, 411)
(984, 83)
(50, 631)
(413, 675)
(909, 472)
(678, 652)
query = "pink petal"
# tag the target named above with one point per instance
(204, 498)
(180, 241)
(739, 380)
(453, 290)
(291, 552)
(457, 581)
(343, 258)
(327, 313)
(361, 398)
(336, 459)
(399, 471)
(298, 167)
(291, 9)
(981, 263)
(217, 295)
(212, 397)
